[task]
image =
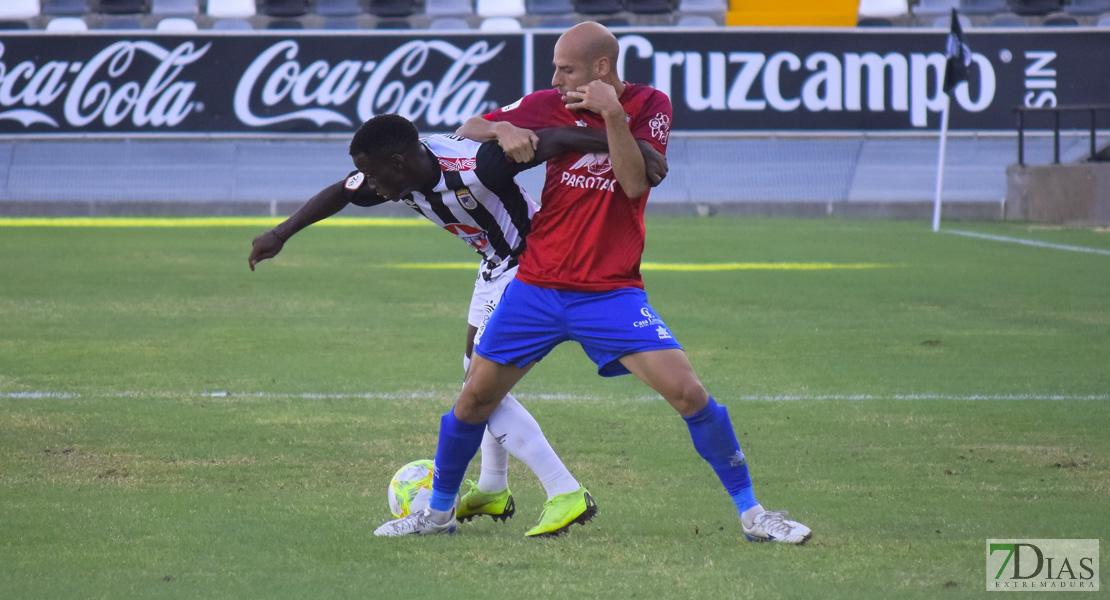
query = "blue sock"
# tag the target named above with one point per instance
(714, 439)
(458, 443)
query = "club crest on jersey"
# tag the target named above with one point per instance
(474, 237)
(457, 164)
(354, 181)
(596, 163)
(466, 199)
(660, 127)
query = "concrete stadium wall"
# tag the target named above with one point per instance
(844, 176)
(1072, 194)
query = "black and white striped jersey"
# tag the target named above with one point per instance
(476, 199)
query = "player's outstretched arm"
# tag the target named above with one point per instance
(519, 144)
(324, 204)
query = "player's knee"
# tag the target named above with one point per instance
(475, 408)
(688, 397)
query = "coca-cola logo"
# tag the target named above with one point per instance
(403, 82)
(104, 88)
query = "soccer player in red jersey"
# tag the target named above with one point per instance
(579, 279)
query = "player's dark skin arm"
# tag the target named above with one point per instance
(556, 140)
(324, 204)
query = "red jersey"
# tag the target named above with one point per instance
(588, 235)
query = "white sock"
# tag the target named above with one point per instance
(494, 475)
(519, 433)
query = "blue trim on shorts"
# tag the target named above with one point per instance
(530, 321)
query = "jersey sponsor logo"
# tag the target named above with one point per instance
(457, 164)
(660, 127)
(474, 237)
(588, 183)
(354, 181)
(597, 163)
(466, 199)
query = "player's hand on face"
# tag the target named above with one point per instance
(264, 246)
(596, 96)
(655, 164)
(519, 144)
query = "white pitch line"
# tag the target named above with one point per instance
(550, 397)
(1002, 238)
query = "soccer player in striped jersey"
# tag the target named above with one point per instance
(468, 189)
(579, 279)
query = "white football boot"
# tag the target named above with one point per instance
(418, 523)
(772, 527)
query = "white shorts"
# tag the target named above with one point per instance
(486, 296)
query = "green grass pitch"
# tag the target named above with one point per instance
(175, 426)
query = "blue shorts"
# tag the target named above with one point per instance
(530, 321)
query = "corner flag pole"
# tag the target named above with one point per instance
(955, 72)
(940, 162)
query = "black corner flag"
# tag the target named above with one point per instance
(959, 56)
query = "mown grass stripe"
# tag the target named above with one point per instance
(683, 267)
(203, 222)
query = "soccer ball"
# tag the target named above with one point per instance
(411, 488)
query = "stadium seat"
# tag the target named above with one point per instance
(499, 8)
(946, 21)
(448, 23)
(392, 8)
(123, 7)
(614, 21)
(500, 25)
(176, 25)
(1087, 7)
(340, 23)
(1035, 7)
(1103, 21)
(1008, 21)
(284, 8)
(549, 7)
(231, 9)
(338, 8)
(598, 7)
(19, 9)
(703, 6)
(121, 23)
(982, 7)
(66, 7)
(285, 24)
(649, 7)
(701, 21)
(557, 22)
(231, 24)
(874, 22)
(883, 8)
(176, 8)
(1061, 21)
(67, 25)
(454, 8)
(393, 24)
(930, 8)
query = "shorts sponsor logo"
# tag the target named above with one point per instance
(1042, 565)
(663, 333)
(649, 319)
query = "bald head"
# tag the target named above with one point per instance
(592, 40)
(584, 53)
